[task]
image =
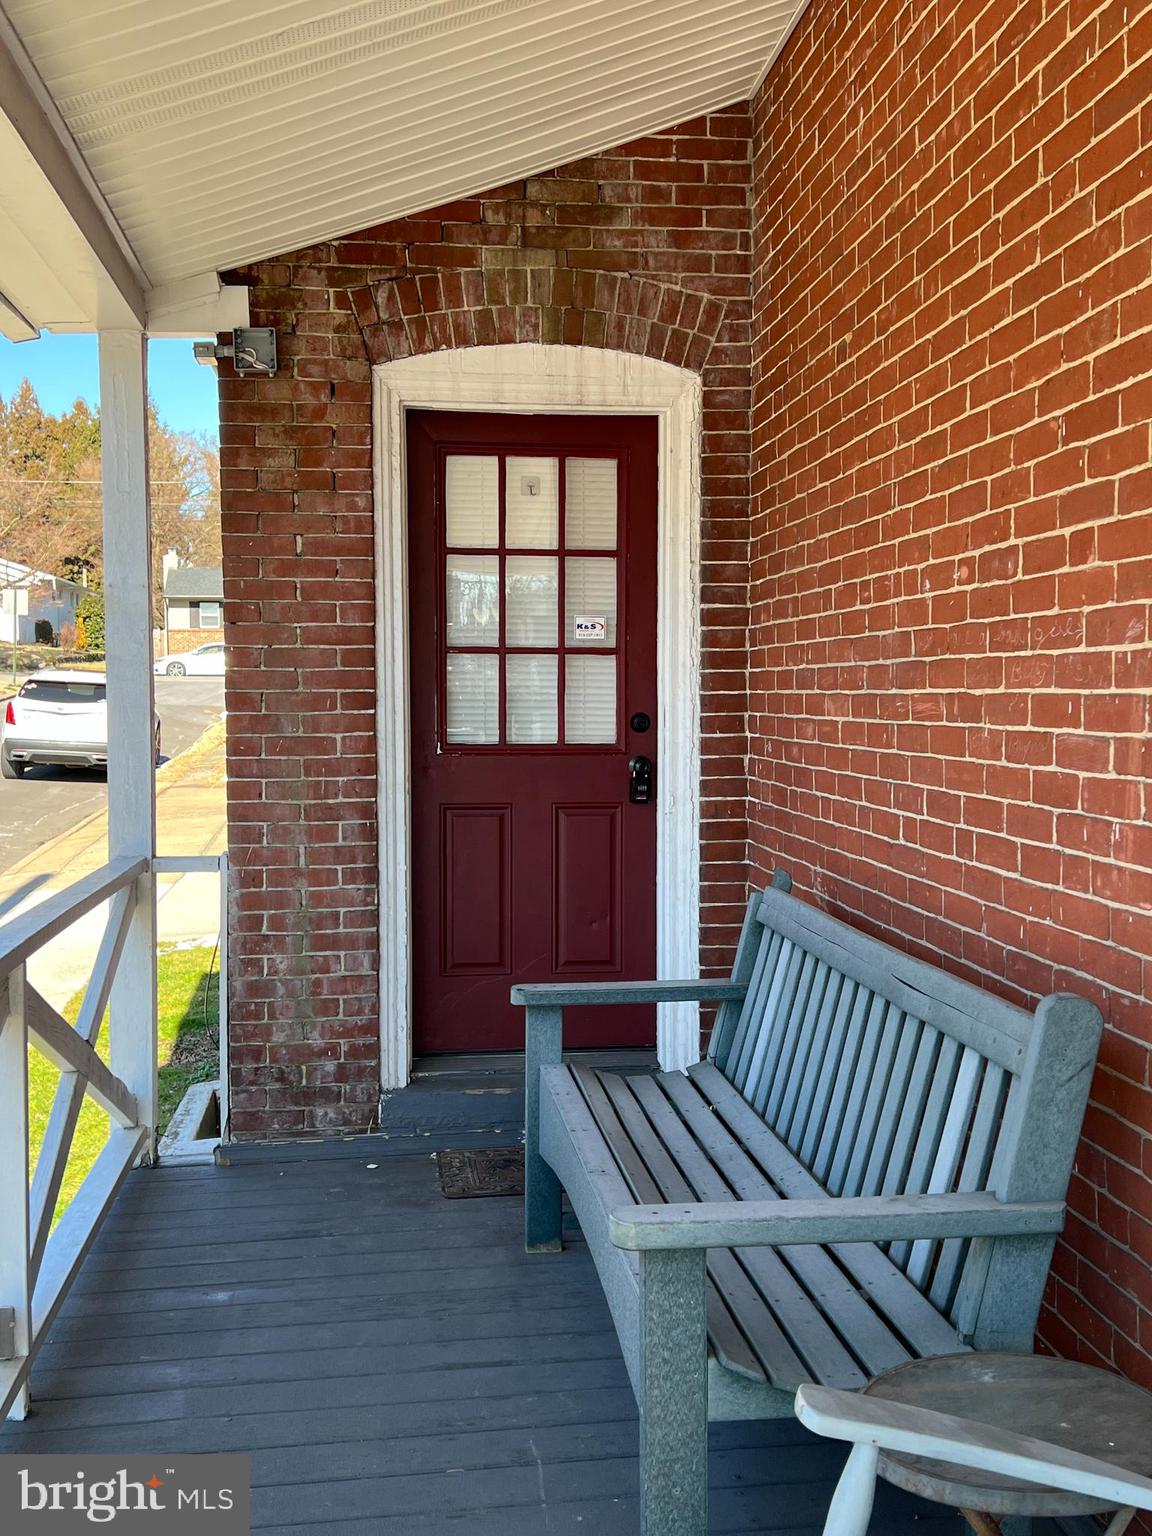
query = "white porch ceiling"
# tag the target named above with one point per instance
(223, 131)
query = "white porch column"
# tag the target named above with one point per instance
(128, 637)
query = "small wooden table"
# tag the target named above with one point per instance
(1074, 1406)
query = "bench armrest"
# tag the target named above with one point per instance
(586, 993)
(793, 1223)
(915, 1431)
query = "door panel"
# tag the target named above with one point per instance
(475, 881)
(588, 879)
(532, 563)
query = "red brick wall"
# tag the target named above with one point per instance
(645, 248)
(952, 547)
(181, 640)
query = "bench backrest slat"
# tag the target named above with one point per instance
(974, 1175)
(841, 1068)
(762, 1046)
(779, 1060)
(744, 1040)
(891, 1119)
(749, 955)
(796, 1090)
(815, 1105)
(949, 1150)
(896, 1175)
(853, 1126)
(996, 1028)
(886, 1076)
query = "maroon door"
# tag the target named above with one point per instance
(532, 549)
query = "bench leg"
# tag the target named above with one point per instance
(542, 1193)
(673, 1392)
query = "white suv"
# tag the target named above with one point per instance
(58, 717)
(204, 661)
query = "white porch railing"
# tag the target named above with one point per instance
(38, 1262)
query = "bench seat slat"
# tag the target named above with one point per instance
(574, 1148)
(643, 1168)
(785, 1298)
(873, 1342)
(911, 1314)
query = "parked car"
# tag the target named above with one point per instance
(204, 661)
(59, 717)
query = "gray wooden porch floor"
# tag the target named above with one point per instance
(392, 1361)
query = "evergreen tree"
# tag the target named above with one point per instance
(90, 622)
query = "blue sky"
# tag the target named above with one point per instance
(64, 367)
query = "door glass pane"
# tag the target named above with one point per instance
(590, 504)
(531, 583)
(590, 698)
(473, 700)
(473, 599)
(531, 683)
(472, 499)
(589, 601)
(530, 491)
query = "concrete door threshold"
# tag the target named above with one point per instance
(476, 1093)
(495, 1062)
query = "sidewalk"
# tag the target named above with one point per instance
(191, 818)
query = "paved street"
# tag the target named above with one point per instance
(48, 801)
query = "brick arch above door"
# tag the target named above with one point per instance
(412, 315)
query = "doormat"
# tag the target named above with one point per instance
(476, 1175)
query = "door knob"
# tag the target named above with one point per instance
(640, 780)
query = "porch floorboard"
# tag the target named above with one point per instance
(392, 1361)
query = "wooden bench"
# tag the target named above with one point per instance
(869, 1168)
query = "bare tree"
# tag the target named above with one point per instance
(51, 497)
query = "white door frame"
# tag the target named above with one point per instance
(536, 379)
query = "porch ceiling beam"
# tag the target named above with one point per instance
(50, 203)
(13, 324)
(196, 306)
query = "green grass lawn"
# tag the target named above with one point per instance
(189, 1021)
